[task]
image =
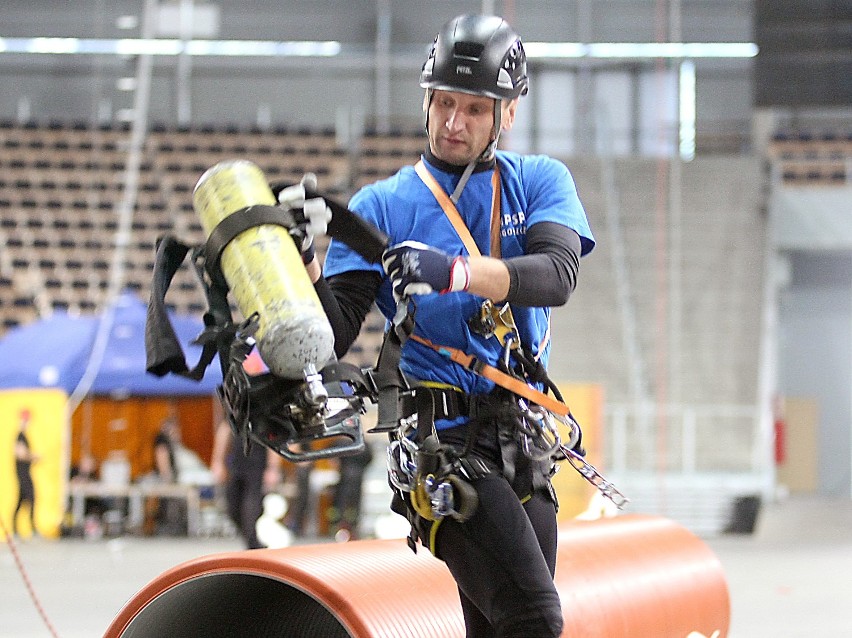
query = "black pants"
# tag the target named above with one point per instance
(503, 560)
(26, 494)
(244, 498)
(346, 503)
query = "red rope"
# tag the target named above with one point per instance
(26, 579)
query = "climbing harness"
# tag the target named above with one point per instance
(537, 429)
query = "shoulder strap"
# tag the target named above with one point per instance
(490, 372)
(455, 218)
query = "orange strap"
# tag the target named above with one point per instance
(455, 218)
(499, 377)
(496, 251)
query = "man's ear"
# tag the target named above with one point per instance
(507, 119)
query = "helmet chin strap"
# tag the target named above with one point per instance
(488, 153)
(485, 156)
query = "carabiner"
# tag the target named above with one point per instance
(537, 432)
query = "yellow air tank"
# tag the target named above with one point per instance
(265, 273)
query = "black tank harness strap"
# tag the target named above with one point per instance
(392, 388)
(237, 222)
(163, 349)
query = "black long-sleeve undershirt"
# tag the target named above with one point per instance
(346, 299)
(545, 276)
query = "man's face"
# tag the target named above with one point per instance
(461, 125)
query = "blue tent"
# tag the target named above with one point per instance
(54, 353)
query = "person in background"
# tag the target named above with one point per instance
(246, 478)
(344, 516)
(24, 458)
(300, 508)
(472, 229)
(86, 471)
(165, 465)
(165, 516)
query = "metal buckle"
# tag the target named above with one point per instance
(483, 322)
(441, 497)
(492, 321)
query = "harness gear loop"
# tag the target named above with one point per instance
(433, 478)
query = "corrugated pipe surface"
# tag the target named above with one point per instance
(621, 577)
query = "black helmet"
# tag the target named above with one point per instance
(477, 54)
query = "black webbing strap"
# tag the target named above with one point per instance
(237, 222)
(425, 416)
(387, 376)
(353, 230)
(348, 227)
(163, 350)
(449, 403)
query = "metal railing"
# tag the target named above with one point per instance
(684, 439)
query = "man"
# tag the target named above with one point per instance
(24, 458)
(247, 479)
(344, 515)
(527, 230)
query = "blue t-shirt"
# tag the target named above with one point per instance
(534, 188)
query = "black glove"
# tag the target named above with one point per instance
(418, 269)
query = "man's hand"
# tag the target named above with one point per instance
(317, 214)
(418, 269)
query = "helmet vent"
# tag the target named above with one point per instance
(468, 50)
(504, 80)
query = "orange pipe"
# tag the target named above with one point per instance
(639, 576)
(622, 577)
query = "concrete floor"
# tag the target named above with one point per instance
(792, 578)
